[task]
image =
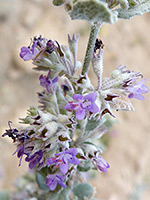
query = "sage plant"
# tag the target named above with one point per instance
(61, 138)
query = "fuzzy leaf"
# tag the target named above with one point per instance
(92, 11)
(57, 195)
(140, 9)
(41, 181)
(64, 194)
(83, 191)
(92, 124)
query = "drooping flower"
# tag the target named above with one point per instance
(63, 159)
(137, 89)
(34, 159)
(54, 179)
(47, 83)
(101, 164)
(81, 104)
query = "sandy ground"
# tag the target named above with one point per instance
(126, 43)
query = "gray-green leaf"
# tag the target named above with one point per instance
(92, 11)
(140, 9)
(83, 190)
(41, 181)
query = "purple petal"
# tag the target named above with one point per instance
(72, 151)
(136, 96)
(64, 168)
(80, 114)
(61, 184)
(90, 97)
(52, 183)
(33, 47)
(102, 164)
(74, 161)
(77, 97)
(32, 164)
(25, 53)
(61, 177)
(141, 82)
(69, 106)
(144, 89)
(55, 80)
(93, 108)
(50, 161)
(43, 81)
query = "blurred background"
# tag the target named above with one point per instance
(126, 43)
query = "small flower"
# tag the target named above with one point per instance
(83, 104)
(100, 163)
(137, 89)
(47, 83)
(27, 54)
(39, 45)
(34, 159)
(63, 158)
(53, 180)
(20, 153)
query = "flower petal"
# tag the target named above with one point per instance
(80, 114)
(93, 108)
(64, 168)
(90, 97)
(74, 161)
(77, 97)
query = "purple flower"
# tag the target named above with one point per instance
(83, 104)
(100, 163)
(34, 159)
(39, 45)
(47, 83)
(20, 153)
(53, 180)
(63, 158)
(137, 89)
(28, 53)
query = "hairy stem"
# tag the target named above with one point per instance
(90, 48)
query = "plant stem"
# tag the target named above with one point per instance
(90, 48)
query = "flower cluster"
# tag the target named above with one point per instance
(60, 135)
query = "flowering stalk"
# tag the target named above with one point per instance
(62, 136)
